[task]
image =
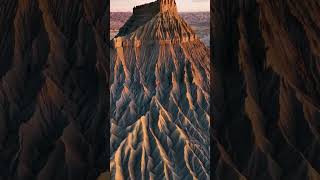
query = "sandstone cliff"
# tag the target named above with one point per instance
(159, 97)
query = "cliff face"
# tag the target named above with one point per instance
(168, 5)
(53, 100)
(145, 13)
(159, 98)
(265, 89)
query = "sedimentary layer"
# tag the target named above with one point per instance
(159, 100)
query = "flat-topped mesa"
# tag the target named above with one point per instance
(157, 21)
(156, 7)
(141, 15)
(147, 9)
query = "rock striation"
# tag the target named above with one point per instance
(53, 97)
(265, 90)
(159, 97)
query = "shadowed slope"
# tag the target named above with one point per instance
(53, 100)
(265, 89)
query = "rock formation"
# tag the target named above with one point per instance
(53, 95)
(265, 90)
(159, 97)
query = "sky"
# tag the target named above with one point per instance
(183, 5)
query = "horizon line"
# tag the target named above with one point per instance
(178, 11)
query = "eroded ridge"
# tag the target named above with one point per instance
(159, 97)
(53, 96)
(265, 89)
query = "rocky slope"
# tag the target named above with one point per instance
(53, 97)
(159, 97)
(266, 90)
(199, 22)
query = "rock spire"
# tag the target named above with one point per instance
(168, 5)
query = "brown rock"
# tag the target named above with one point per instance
(265, 90)
(159, 98)
(53, 97)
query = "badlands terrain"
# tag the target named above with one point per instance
(265, 90)
(53, 95)
(264, 93)
(159, 96)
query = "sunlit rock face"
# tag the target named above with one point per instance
(159, 99)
